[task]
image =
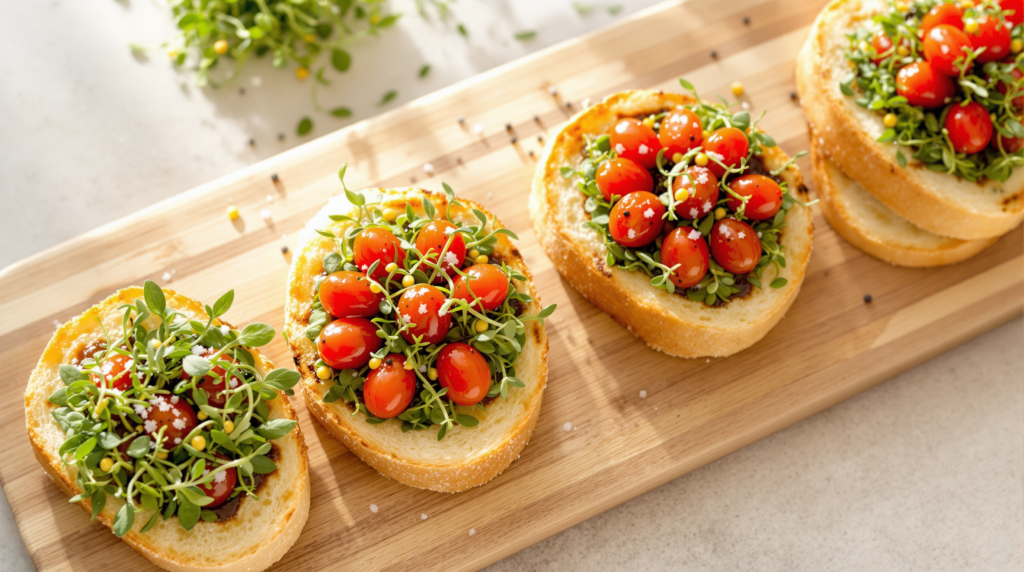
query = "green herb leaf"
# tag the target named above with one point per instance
(98, 500)
(275, 428)
(223, 304)
(70, 374)
(188, 513)
(154, 298)
(60, 396)
(150, 523)
(257, 334)
(390, 95)
(124, 520)
(526, 35)
(341, 112)
(467, 420)
(424, 70)
(779, 282)
(341, 60)
(304, 127)
(282, 378)
(195, 365)
(261, 465)
(139, 447)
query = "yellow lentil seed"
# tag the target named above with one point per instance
(138, 428)
(106, 464)
(682, 195)
(1017, 46)
(199, 442)
(677, 157)
(903, 51)
(389, 215)
(649, 121)
(229, 426)
(705, 134)
(221, 47)
(155, 344)
(391, 267)
(375, 363)
(232, 212)
(408, 281)
(890, 120)
(701, 159)
(310, 38)
(102, 405)
(162, 455)
(375, 288)
(432, 373)
(473, 253)
(971, 26)
(737, 88)
(408, 364)
(202, 416)
(302, 72)
(480, 326)
(965, 4)
(482, 259)
(719, 213)
(324, 372)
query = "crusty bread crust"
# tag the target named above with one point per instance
(937, 202)
(671, 323)
(869, 225)
(466, 457)
(261, 531)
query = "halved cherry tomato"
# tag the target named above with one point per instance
(948, 14)
(486, 282)
(223, 483)
(702, 186)
(924, 86)
(1017, 17)
(729, 145)
(1009, 144)
(389, 389)
(621, 177)
(636, 219)
(464, 371)
(375, 244)
(421, 307)
(735, 246)
(946, 48)
(994, 36)
(1004, 89)
(347, 294)
(765, 196)
(970, 127)
(685, 246)
(116, 370)
(882, 45)
(680, 131)
(635, 141)
(172, 412)
(215, 382)
(346, 343)
(431, 242)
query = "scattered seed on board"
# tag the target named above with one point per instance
(472, 531)
(746, 20)
(478, 129)
(373, 508)
(643, 393)
(513, 140)
(265, 214)
(508, 127)
(280, 136)
(241, 91)
(274, 177)
(793, 95)
(567, 426)
(428, 168)
(530, 152)
(423, 516)
(536, 118)
(540, 138)
(568, 105)
(714, 55)
(284, 249)
(252, 142)
(867, 298)
(461, 120)
(458, 160)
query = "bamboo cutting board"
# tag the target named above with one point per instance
(830, 346)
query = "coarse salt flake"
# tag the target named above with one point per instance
(265, 214)
(449, 230)
(225, 330)
(198, 350)
(649, 212)
(742, 234)
(167, 276)
(694, 234)
(373, 508)
(178, 424)
(694, 213)
(643, 149)
(643, 393)
(567, 426)
(451, 259)
(472, 531)
(423, 516)
(631, 233)
(428, 168)
(149, 426)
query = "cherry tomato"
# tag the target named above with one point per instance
(116, 370)
(943, 14)
(389, 389)
(1017, 17)
(970, 127)
(636, 219)
(945, 47)
(923, 86)
(635, 141)
(347, 294)
(735, 246)
(685, 246)
(172, 412)
(223, 483)
(729, 145)
(377, 244)
(214, 382)
(994, 36)
(621, 177)
(431, 242)
(421, 307)
(346, 343)
(680, 131)
(765, 196)
(702, 186)
(1009, 144)
(882, 45)
(1004, 89)
(484, 281)
(464, 371)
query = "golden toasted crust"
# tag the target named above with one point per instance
(872, 227)
(670, 323)
(466, 457)
(937, 202)
(261, 531)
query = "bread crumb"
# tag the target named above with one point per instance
(567, 426)
(643, 393)
(373, 508)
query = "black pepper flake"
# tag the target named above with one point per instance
(536, 118)
(508, 127)
(413, 179)
(461, 120)
(241, 91)
(714, 55)
(625, 213)
(793, 95)
(746, 20)
(540, 138)
(252, 142)
(867, 298)
(280, 136)
(458, 160)
(388, 362)
(274, 177)
(568, 105)
(284, 249)
(513, 140)
(530, 152)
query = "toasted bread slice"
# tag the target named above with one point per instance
(260, 532)
(869, 225)
(938, 202)
(668, 322)
(467, 456)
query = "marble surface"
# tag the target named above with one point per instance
(924, 472)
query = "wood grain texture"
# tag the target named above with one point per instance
(830, 346)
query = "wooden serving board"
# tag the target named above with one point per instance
(830, 346)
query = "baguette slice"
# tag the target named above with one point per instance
(938, 202)
(869, 225)
(671, 323)
(467, 456)
(260, 532)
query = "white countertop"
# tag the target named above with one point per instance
(923, 472)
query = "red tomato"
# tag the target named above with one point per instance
(421, 307)
(484, 281)
(389, 389)
(223, 483)
(117, 372)
(923, 86)
(172, 412)
(703, 195)
(635, 141)
(464, 371)
(948, 14)
(945, 47)
(621, 177)
(214, 382)
(1017, 17)
(685, 246)
(729, 145)
(636, 219)
(377, 244)
(346, 343)
(1004, 89)
(680, 131)
(347, 294)
(1009, 144)
(882, 45)
(765, 196)
(431, 242)
(970, 127)
(735, 246)
(994, 36)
